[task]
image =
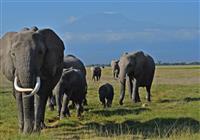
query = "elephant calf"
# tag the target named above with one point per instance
(70, 87)
(106, 94)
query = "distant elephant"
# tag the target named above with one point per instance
(71, 61)
(139, 69)
(33, 61)
(106, 94)
(71, 86)
(96, 73)
(115, 68)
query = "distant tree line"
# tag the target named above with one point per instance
(158, 63)
(178, 63)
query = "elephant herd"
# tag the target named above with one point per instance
(32, 59)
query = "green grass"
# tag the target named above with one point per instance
(173, 113)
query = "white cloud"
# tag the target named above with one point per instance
(71, 19)
(148, 35)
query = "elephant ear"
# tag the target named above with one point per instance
(53, 60)
(6, 63)
(139, 62)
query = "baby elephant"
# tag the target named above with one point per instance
(70, 87)
(106, 94)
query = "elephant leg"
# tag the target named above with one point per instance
(28, 110)
(148, 89)
(135, 94)
(50, 101)
(40, 104)
(130, 86)
(43, 108)
(103, 101)
(122, 91)
(79, 108)
(65, 109)
(72, 106)
(59, 95)
(85, 102)
(109, 103)
(20, 111)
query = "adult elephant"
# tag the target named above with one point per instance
(115, 68)
(139, 69)
(33, 60)
(96, 73)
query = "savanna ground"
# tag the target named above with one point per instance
(174, 112)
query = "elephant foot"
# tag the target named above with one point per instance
(67, 115)
(37, 130)
(43, 125)
(121, 102)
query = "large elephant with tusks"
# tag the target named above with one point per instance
(33, 60)
(139, 69)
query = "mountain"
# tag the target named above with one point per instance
(101, 37)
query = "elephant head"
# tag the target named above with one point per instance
(131, 65)
(29, 58)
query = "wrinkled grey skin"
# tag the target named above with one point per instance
(25, 55)
(96, 73)
(115, 68)
(139, 69)
(106, 94)
(71, 86)
(71, 61)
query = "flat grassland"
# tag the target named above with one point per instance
(174, 112)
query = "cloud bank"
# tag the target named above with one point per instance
(147, 35)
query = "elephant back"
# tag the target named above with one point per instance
(74, 62)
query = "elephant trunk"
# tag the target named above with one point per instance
(26, 82)
(28, 109)
(122, 80)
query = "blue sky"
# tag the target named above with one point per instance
(99, 31)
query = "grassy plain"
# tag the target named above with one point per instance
(174, 112)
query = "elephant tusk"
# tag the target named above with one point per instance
(33, 91)
(21, 89)
(36, 88)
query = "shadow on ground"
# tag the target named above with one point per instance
(119, 111)
(158, 127)
(186, 99)
(190, 99)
